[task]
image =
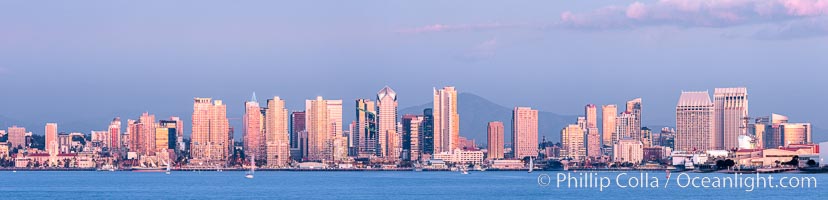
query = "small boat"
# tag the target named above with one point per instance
(14, 171)
(531, 165)
(168, 169)
(464, 171)
(249, 174)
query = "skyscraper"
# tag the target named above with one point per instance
(625, 126)
(694, 122)
(411, 136)
(591, 112)
(51, 139)
(446, 120)
(338, 149)
(634, 108)
(387, 121)
(572, 141)
(427, 135)
(592, 134)
(210, 135)
(609, 113)
(172, 137)
(524, 132)
(114, 134)
(147, 134)
(254, 141)
(276, 136)
(495, 140)
(365, 128)
(731, 112)
(297, 125)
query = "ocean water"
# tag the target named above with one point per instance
(374, 185)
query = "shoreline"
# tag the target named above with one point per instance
(401, 170)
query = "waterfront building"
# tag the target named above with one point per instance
(173, 140)
(277, 140)
(365, 128)
(495, 140)
(628, 150)
(795, 133)
(524, 132)
(336, 152)
(162, 139)
(572, 139)
(459, 156)
(608, 116)
(694, 122)
(731, 112)
(323, 121)
(593, 143)
(297, 126)
(411, 143)
(387, 123)
(446, 120)
(17, 137)
(210, 132)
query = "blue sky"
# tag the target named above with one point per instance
(83, 63)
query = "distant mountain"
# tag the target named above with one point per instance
(475, 113)
(819, 135)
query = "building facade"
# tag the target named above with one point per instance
(572, 141)
(446, 120)
(524, 132)
(495, 140)
(694, 122)
(210, 131)
(731, 112)
(387, 122)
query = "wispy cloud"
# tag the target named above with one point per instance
(695, 13)
(458, 27)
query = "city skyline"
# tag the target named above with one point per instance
(130, 46)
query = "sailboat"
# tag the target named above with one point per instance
(531, 164)
(168, 168)
(249, 174)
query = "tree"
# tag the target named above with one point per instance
(720, 164)
(811, 163)
(729, 163)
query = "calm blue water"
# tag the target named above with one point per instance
(356, 185)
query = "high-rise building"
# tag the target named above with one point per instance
(411, 137)
(495, 140)
(694, 122)
(591, 112)
(609, 113)
(17, 137)
(387, 121)
(795, 133)
(179, 133)
(210, 135)
(171, 136)
(593, 143)
(365, 128)
(524, 132)
(277, 136)
(297, 125)
(625, 126)
(114, 140)
(146, 134)
(731, 112)
(51, 142)
(572, 141)
(339, 149)
(446, 120)
(162, 138)
(323, 122)
(254, 141)
(634, 108)
(427, 135)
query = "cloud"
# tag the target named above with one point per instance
(805, 28)
(460, 27)
(695, 13)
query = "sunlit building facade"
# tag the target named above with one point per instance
(524, 132)
(694, 122)
(446, 120)
(731, 112)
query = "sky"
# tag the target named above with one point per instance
(81, 63)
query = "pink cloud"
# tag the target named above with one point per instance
(691, 13)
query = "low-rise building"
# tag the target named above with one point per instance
(506, 164)
(459, 156)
